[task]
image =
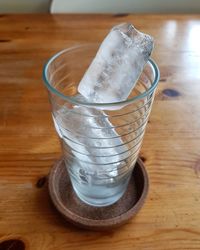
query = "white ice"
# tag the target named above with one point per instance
(92, 140)
(117, 65)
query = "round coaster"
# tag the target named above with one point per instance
(97, 218)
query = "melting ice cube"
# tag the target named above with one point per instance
(117, 66)
(92, 140)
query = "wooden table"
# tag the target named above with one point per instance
(170, 218)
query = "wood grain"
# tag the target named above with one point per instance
(29, 146)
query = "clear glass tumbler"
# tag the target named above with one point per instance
(101, 142)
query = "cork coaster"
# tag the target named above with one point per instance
(97, 218)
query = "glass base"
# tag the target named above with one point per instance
(99, 202)
(100, 195)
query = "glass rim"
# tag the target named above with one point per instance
(73, 100)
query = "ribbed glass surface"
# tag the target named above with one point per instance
(101, 142)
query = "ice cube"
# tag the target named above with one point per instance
(94, 144)
(117, 66)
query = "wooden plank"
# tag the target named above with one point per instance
(29, 146)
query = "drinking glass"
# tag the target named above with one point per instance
(100, 142)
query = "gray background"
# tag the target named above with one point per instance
(100, 6)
